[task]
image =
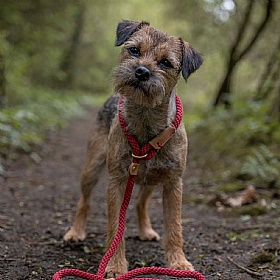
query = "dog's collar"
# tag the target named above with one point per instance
(149, 150)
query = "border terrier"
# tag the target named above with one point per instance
(150, 65)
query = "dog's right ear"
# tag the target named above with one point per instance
(126, 28)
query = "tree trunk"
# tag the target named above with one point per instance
(223, 96)
(270, 75)
(67, 64)
(2, 82)
(275, 108)
(236, 54)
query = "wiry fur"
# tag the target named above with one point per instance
(149, 107)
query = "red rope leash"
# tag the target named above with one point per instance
(146, 152)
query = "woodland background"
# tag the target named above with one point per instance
(56, 58)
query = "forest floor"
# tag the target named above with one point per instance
(38, 201)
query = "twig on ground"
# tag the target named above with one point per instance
(91, 268)
(8, 260)
(3, 220)
(259, 226)
(251, 272)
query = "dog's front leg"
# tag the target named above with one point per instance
(172, 204)
(146, 232)
(118, 264)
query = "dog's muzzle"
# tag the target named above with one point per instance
(142, 73)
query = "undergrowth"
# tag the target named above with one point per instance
(241, 143)
(25, 125)
(262, 167)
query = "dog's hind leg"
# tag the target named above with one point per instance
(96, 157)
(146, 231)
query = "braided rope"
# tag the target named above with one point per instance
(146, 149)
(121, 227)
(131, 274)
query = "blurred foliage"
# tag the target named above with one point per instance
(54, 52)
(242, 143)
(262, 167)
(24, 126)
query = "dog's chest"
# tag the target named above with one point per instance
(163, 167)
(155, 171)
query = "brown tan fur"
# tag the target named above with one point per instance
(149, 107)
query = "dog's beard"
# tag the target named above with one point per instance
(147, 93)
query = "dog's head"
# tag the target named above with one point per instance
(151, 62)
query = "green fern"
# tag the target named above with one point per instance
(262, 167)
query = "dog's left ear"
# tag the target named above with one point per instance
(191, 59)
(126, 28)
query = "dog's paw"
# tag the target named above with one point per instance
(177, 260)
(74, 235)
(116, 268)
(148, 235)
(182, 265)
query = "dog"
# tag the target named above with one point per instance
(150, 65)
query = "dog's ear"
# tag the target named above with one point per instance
(191, 59)
(126, 28)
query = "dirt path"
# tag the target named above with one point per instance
(38, 200)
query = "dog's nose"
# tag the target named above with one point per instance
(142, 73)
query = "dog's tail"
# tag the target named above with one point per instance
(108, 111)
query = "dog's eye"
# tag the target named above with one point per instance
(166, 63)
(134, 51)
